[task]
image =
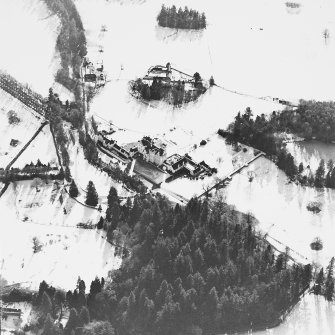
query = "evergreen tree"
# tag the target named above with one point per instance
(112, 196)
(46, 304)
(329, 284)
(319, 283)
(301, 167)
(100, 224)
(72, 322)
(92, 197)
(73, 189)
(49, 328)
(332, 179)
(84, 316)
(319, 174)
(329, 291)
(328, 181)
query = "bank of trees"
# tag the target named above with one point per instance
(50, 304)
(71, 41)
(181, 18)
(260, 133)
(324, 282)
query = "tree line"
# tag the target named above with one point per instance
(71, 41)
(261, 133)
(50, 305)
(181, 19)
(324, 282)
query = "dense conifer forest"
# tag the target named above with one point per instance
(181, 19)
(190, 270)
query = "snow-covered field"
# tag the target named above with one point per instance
(28, 39)
(41, 148)
(23, 131)
(67, 252)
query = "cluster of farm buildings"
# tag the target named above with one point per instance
(154, 151)
(169, 75)
(94, 74)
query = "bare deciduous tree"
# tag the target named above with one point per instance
(326, 35)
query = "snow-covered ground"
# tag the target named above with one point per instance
(28, 39)
(67, 252)
(42, 148)
(23, 131)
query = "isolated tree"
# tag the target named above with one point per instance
(72, 322)
(37, 246)
(100, 224)
(325, 35)
(92, 197)
(73, 189)
(13, 118)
